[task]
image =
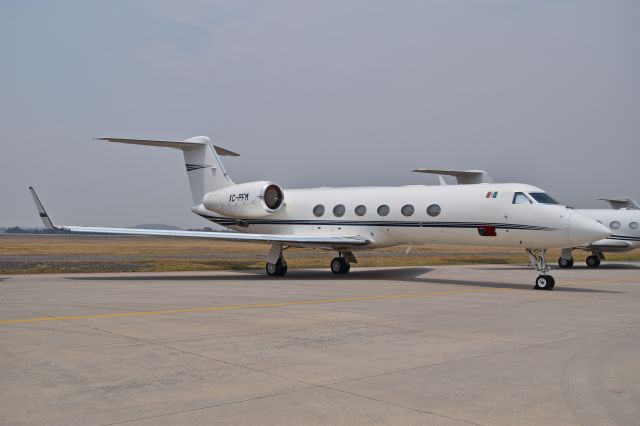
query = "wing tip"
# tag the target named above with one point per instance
(44, 216)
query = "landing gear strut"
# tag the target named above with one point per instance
(544, 281)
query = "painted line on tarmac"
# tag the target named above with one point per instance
(599, 281)
(250, 306)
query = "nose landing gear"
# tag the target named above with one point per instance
(543, 281)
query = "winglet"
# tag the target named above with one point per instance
(41, 211)
(464, 177)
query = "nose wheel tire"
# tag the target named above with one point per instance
(340, 266)
(545, 282)
(593, 261)
(277, 269)
(565, 263)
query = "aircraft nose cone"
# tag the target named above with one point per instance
(584, 230)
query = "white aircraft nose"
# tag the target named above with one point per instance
(585, 230)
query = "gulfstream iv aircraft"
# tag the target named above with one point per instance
(623, 219)
(348, 220)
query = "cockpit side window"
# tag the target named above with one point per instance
(520, 198)
(543, 198)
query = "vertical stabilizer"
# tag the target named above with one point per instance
(204, 168)
(202, 161)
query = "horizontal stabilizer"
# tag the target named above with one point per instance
(189, 145)
(607, 244)
(622, 203)
(464, 177)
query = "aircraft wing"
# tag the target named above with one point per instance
(337, 241)
(464, 177)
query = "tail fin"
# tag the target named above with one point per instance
(204, 168)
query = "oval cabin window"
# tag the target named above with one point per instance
(383, 210)
(360, 210)
(433, 210)
(407, 210)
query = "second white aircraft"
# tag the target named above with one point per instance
(623, 219)
(348, 220)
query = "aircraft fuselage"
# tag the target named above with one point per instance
(479, 214)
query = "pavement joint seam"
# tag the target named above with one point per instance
(173, 413)
(304, 382)
(435, 364)
(433, 413)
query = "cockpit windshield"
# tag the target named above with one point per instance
(543, 198)
(520, 198)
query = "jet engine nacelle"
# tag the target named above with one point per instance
(246, 200)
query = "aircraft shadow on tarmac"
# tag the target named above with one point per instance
(412, 274)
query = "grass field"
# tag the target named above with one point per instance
(77, 253)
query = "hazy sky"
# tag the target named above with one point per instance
(311, 94)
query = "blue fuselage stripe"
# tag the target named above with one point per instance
(226, 221)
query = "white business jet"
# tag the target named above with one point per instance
(623, 219)
(347, 220)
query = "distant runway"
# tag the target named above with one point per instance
(444, 345)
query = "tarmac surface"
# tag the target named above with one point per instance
(446, 345)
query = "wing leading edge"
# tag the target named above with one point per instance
(337, 241)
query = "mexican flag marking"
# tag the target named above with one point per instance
(493, 194)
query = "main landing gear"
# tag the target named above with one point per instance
(593, 261)
(340, 266)
(277, 269)
(566, 259)
(342, 263)
(276, 265)
(544, 281)
(565, 263)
